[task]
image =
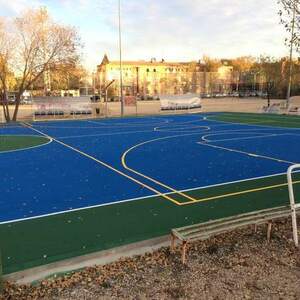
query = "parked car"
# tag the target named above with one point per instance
(208, 95)
(218, 95)
(11, 99)
(26, 101)
(115, 99)
(148, 97)
(95, 98)
(262, 94)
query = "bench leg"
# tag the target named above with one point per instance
(255, 228)
(173, 238)
(269, 230)
(184, 250)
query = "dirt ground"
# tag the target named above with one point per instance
(237, 265)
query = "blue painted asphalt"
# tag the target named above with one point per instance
(53, 178)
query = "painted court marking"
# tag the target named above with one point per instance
(50, 140)
(105, 165)
(240, 193)
(167, 196)
(247, 153)
(261, 135)
(151, 196)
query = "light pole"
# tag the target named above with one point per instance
(291, 55)
(106, 97)
(120, 53)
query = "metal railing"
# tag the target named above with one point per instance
(294, 205)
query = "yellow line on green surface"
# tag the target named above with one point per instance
(239, 193)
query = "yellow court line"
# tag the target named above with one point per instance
(106, 165)
(123, 160)
(153, 189)
(238, 193)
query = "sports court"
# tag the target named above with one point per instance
(85, 185)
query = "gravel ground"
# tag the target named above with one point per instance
(237, 265)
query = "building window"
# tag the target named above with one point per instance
(154, 70)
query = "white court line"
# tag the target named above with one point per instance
(129, 124)
(262, 135)
(139, 198)
(163, 131)
(246, 131)
(50, 140)
(177, 128)
(104, 134)
(172, 125)
(9, 126)
(102, 125)
(247, 153)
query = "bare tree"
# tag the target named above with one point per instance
(42, 45)
(290, 19)
(241, 65)
(6, 75)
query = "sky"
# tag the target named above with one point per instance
(176, 30)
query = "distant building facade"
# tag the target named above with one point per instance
(155, 78)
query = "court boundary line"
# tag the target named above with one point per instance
(103, 134)
(162, 121)
(144, 197)
(239, 193)
(50, 140)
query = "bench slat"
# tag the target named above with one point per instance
(205, 230)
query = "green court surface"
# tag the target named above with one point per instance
(13, 142)
(49, 239)
(259, 119)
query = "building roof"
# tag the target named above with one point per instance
(153, 62)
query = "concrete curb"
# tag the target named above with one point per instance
(88, 260)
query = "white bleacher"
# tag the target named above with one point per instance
(180, 102)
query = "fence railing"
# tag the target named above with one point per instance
(294, 205)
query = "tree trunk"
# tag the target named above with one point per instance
(18, 100)
(5, 106)
(268, 94)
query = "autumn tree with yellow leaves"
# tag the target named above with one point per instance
(31, 46)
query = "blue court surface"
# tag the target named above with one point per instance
(95, 162)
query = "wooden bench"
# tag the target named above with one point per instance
(208, 229)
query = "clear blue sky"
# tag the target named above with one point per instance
(171, 29)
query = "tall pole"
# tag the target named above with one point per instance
(120, 52)
(291, 55)
(94, 85)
